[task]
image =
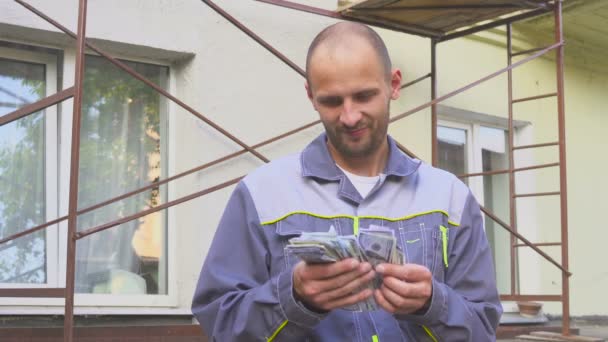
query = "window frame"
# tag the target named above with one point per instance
(51, 150)
(473, 157)
(102, 303)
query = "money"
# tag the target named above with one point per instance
(374, 244)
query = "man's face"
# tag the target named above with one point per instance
(350, 90)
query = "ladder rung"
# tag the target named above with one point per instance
(555, 143)
(33, 292)
(534, 97)
(540, 298)
(535, 194)
(524, 52)
(540, 244)
(498, 172)
(533, 167)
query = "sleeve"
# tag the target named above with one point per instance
(467, 306)
(236, 299)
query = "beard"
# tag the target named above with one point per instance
(364, 146)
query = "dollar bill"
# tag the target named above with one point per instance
(374, 244)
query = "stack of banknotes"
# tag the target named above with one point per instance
(375, 245)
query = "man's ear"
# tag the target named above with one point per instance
(309, 94)
(396, 79)
(308, 91)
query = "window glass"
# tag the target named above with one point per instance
(452, 149)
(22, 178)
(122, 143)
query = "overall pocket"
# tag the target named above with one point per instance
(420, 242)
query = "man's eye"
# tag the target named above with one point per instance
(364, 97)
(331, 101)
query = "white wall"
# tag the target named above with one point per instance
(226, 76)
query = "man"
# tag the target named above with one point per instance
(251, 289)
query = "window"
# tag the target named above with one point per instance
(474, 147)
(28, 164)
(123, 147)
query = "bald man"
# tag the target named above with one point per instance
(353, 175)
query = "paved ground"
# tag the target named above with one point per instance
(587, 328)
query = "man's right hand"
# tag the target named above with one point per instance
(330, 286)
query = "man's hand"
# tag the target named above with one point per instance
(405, 288)
(331, 286)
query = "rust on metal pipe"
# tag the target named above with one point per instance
(524, 240)
(421, 78)
(525, 52)
(33, 292)
(437, 7)
(68, 319)
(195, 169)
(521, 147)
(534, 167)
(304, 8)
(31, 230)
(471, 85)
(540, 244)
(512, 205)
(405, 150)
(540, 298)
(254, 36)
(151, 84)
(534, 97)
(499, 172)
(157, 184)
(485, 173)
(109, 225)
(183, 199)
(404, 28)
(286, 134)
(161, 182)
(496, 23)
(537, 194)
(434, 143)
(561, 110)
(37, 106)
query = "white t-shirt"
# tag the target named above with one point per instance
(363, 184)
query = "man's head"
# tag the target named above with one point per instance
(350, 83)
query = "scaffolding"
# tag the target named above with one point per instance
(430, 19)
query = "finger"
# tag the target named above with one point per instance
(401, 304)
(383, 302)
(326, 271)
(348, 287)
(406, 289)
(317, 287)
(409, 272)
(348, 300)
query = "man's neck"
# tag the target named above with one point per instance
(368, 166)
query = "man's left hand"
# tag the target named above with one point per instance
(405, 289)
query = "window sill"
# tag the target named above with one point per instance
(141, 311)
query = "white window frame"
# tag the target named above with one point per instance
(148, 300)
(472, 122)
(50, 163)
(99, 303)
(473, 154)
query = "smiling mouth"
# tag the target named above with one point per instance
(356, 133)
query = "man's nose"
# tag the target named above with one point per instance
(351, 115)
